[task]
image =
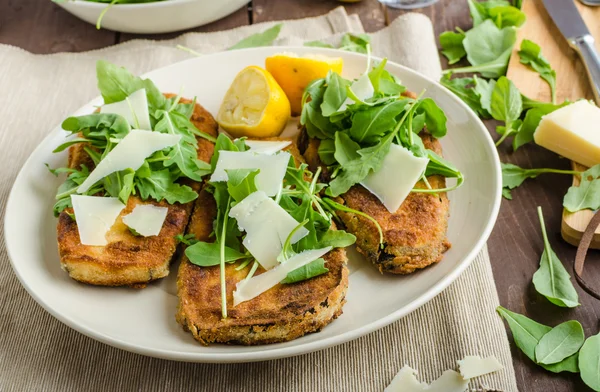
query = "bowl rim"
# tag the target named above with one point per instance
(153, 4)
(281, 352)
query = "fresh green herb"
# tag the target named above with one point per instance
(452, 45)
(187, 239)
(507, 16)
(334, 95)
(559, 343)
(310, 270)
(480, 9)
(587, 194)
(350, 42)
(265, 38)
(552, 279)
(318, 44)
(506, 105)
(207, 254)
(484, 89)
(465, 89)
(241, 183)
(513, 175)
(528, 333)
(531, 54)
(488, 49)
(589, 362)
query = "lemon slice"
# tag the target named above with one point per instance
(294, 73)
(254, 105)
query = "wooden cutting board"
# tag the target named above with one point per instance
(572, 84)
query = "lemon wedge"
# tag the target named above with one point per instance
(254, 105)
(294, 73)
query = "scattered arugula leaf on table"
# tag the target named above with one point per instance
(513, 175)
(531, 54)
(264, 38)
(559, 343)
(506, 106)
(350, 42)
(527, 335)
(587, 194)
(589, 362)
(452, 45)
(552, 279)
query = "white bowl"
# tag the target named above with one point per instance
(143, 321)
(153, 18)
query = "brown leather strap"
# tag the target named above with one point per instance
(582, 250)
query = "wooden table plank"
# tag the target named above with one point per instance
(236, 19)
(371, 13)
(40, 26)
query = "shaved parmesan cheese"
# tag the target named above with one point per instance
(406, 381)
(398, 175)
(95, 216)
(247, 289)
(272, 168)
(267, 226)
(146, 219)
(475, 366)
(362, 88)
(268, 147)
(130, 153)
(134, 108)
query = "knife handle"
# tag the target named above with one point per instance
(585, 46)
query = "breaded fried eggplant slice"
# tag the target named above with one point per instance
(284, 312)
(414, 236)
(128, 259)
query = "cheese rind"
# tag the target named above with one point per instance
(146, 219)
(573, 132)
(247, 289)
(272, 168)
(95, 215)
(397, 176)
(134, 109)
(130, 153)
(267, 226)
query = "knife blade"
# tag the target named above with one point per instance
(567, 18)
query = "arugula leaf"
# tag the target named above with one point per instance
(559, 343)
(587, 194)
(589, 362)
(318, 44)
(452, 46)
(208, 254)
(435, 119)
(513, 175)
(463, 88)
(488, 49)
(310, 270)
(527, 128)
(241, 183)
(552, 279)
(531, 54)
(335, 94)
(355, 42)
(527, 334)
(187, 239)
(368, 126)
(265, 38)
(99, 128)
(326, 151)
(529, 103)
(336, 239)
(506, 16)
(484, 89)
(506, 105)
(160, 185)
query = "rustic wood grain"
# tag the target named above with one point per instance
(515, 244)
(371, 12)
(40, 26)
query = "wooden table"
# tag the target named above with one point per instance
(515, 246)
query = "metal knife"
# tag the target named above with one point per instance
(573, 28)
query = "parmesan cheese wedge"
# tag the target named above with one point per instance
(272, 168)
(95, 216)
(267, 226)
(247, 289)
(475, 366)
(130, 153)
(268, 147)
(134, 109)
(572, 131)
(398, 175)
(362, 88)
(146, 219)
(406, 381)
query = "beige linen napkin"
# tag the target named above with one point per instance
(37, 352)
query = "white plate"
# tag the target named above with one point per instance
(143, 321)
(153, 18)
